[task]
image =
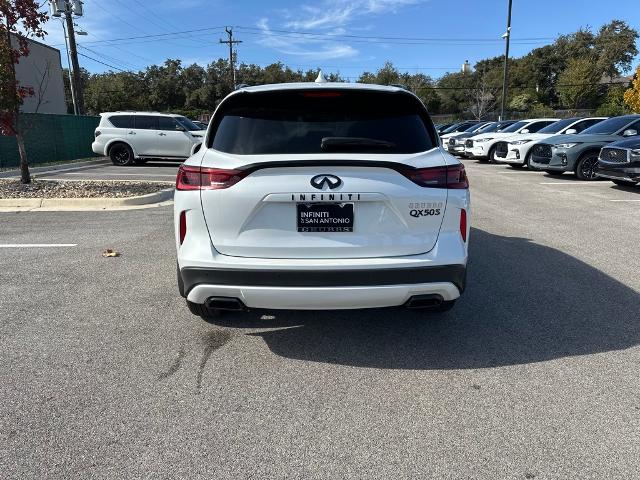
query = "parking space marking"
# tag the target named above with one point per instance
(578, 182)
(629, 200)
(37, 245)
(125, 174)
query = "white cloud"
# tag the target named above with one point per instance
(310, 48)
(326, 17)
(333, 13)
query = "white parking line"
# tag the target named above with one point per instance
(635, 200)
(124, 174)
(37, 245)
(578, 182)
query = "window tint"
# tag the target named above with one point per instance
(584, 124)
(608, 127)
(167, 123)
(145, 122)
(188, 124)
(515, 127)
(121, 121)
(557, 126)
(304, 121)
(535, 126)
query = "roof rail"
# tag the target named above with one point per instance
(241, 85)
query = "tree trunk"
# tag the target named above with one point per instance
(25, 176)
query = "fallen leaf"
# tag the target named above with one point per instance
(110, 253)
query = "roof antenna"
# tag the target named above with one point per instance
(321, 78)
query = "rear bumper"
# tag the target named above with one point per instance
(98, 148)
(324, 290)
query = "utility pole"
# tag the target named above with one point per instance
(505, 76)
(231, 42)
(71, 87)
(73, 52)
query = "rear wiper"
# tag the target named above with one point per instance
(354, 143)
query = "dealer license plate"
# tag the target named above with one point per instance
(325, 217)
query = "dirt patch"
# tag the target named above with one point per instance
(78, 189)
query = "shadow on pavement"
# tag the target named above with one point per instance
(524, 303)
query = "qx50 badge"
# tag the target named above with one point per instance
(326, 180)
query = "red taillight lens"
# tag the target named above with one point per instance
(453, 176)
(463, 224)
(202, 178)
(457, 177)
(183, 226)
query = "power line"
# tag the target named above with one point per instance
(102, 63)
(157, 35)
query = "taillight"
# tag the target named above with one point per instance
(452, 176)
(463, 224)
(202, 178)
(183, 226)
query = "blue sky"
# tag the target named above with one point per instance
(346, 36)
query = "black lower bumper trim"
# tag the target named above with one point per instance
(455, 274)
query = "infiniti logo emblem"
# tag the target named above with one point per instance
(326, 180)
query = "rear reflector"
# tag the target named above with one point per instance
(202, 178)
(183, 226)
(463, 225)
(452, 176)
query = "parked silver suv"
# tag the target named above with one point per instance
(134, 137)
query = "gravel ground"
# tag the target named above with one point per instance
(81, 189)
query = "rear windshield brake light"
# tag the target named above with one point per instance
(451, 176)
(202, 178)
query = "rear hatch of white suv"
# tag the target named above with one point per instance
(323, 173)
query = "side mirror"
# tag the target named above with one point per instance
(180, 128)
(526, 130)
(630, 133)
(571, 131)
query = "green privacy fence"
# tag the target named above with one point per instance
(50, 138)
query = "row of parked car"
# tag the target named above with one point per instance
(591, 148)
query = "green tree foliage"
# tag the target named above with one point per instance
(613, 103)
(572, 72)
(578, 83)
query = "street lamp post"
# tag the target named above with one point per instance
(505, 76)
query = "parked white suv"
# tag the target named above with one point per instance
(304, 197)
(133, 137)
(483, 147)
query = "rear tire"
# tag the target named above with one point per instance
(624, 183)
(121, 155)
(587, 166)
(492, 154)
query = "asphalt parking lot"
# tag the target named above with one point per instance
(534, 373)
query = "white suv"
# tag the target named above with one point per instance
(133, 137)
(303, 196)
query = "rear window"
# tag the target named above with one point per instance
(515, 127)
(322, 122)
(121, 121)
(559, 125)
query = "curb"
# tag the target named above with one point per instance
(101, 203)
(63, 166)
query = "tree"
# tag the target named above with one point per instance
(615, 47)
(632, 95)
(578, 84)
(19, 19)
